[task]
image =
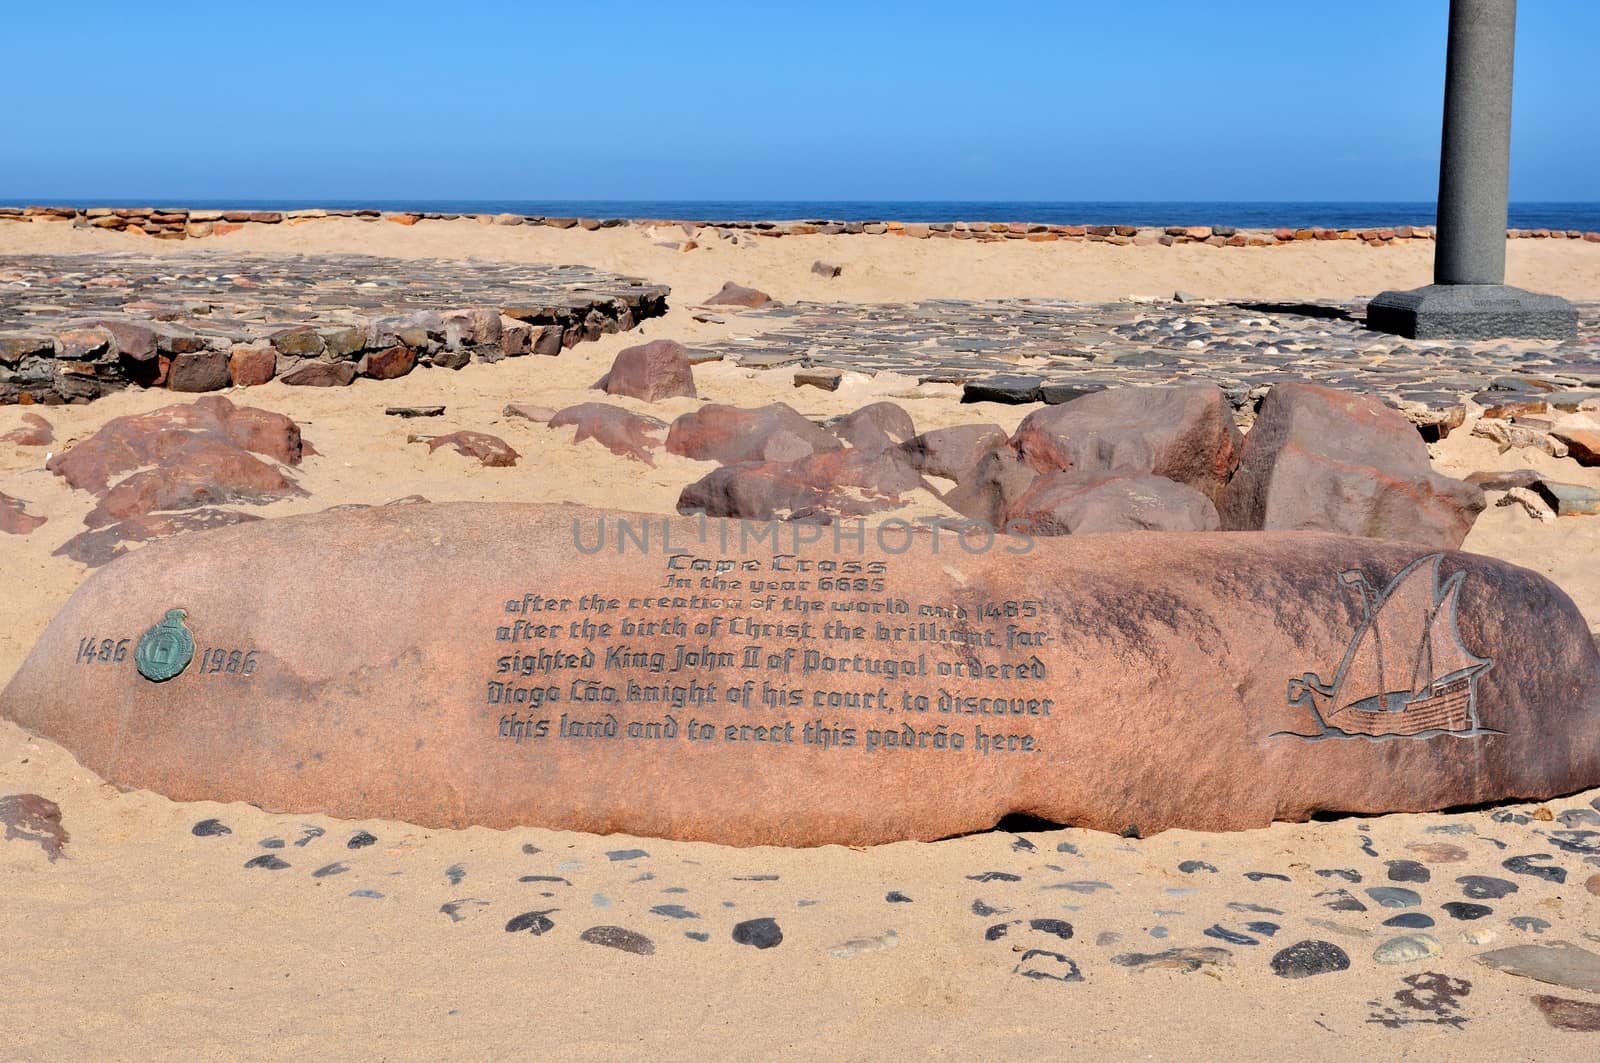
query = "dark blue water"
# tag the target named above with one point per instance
(1584, 216)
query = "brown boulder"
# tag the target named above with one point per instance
(1183, 432)
(953, 453)
(732, 294)
(817, 488)
(14, 518)
(1105, 681)
(620, 431)
(1582, 443)
(101, 546)
(320, 374)
(199, 371)
(876, 427)
(301, 341)
(994, 484)
(489, 450)
(1324, 460)
(1083, 503)
(35, 431)
(388, 364)
(252, 365)
(204, 474)
(729, 434)
(651, 372)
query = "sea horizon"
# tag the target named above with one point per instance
(1241, 214)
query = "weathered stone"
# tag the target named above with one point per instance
(387, 364)
(620, 431)
(728, 434)
(876, 427)
(35, 431)
(819, 487)
(732, 294)
(135, 340)
(14, 518)
(15, 346)
(252, 365)
(319, 375)
(987, 493)
(302, 341)
(489, 450)
(525, 410)
(952, 453)
(101, 546)
(651, 372)
(1082, 503)
(826, 379)
(826, 269)
(1583, 444)
(202, 371)
(205, 473)
(83, 343)
(1579, 1016)
(1558, 963)
(1325, 460)
(1142, 667)
(1184, 433)
(1011, 390)
(1408, 948)
(1568, 499)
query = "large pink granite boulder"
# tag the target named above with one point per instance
(728, 434)
(1083, 503)
(819, 487)
(651, 372)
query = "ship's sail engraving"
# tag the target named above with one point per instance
(1406, 671)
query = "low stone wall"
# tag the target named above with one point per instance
(75, 327)
(178, 224)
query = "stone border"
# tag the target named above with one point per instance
(180, 224)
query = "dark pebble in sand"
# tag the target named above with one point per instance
(454, 909)
(1531, 924)
(1260, 909)
(626, 854)
(1410, 921)
(983, 911)
(531, 849)
(268, 861)
(1304, 959)
(1059, 927)
(995, 876)
(1408, 871)
(328, 870)
(1130, 831)
(1186, 960)
(455, 873)
(1395, 897)
(1466, 911)
(755, 878)
(535, 923)
(1348, 874)
(1340, 901)
(760, 933)
(1262, 876)
(370, 894)
(1069, 848)
(360, 840)
(1221, 933)
(1579, 817)
(544, 878)
(1582, 842)
(1022, 845)
(996, 932)
(309, 835)
(618, 937)
(697, 935)
(1189, 867)
(674, 911)
(1047, 966)
(1366, 847)
(1485, 887)
(1263, 928)
(1579, 1016)
(896, 897)
(1087, 886)
(1533, 865)
(211, 828)
(271, 843)
(1505, 815)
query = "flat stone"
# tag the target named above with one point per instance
(1012, 390)
(415, 411)
(1569, 499)
(1579, 1016)
(1558, 963)
(1408, 948)
(461, 595)
(826, 379)
(1472, 311)
(1187, 960)
(1306, 959)
(490, 451)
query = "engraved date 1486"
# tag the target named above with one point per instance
(212, 662)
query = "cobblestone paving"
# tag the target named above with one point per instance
(1016, 347)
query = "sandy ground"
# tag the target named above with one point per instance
(145, 941)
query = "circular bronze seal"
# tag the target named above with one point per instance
(166, 649)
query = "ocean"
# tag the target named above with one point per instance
(1240, 215)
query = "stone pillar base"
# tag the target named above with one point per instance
(1472, 312)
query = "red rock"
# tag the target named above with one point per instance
(1082, 503)
(14, 518)
(1578, 1016)
(728, 434)
(876, 427)
(620, 431)
(15, 346)
(733, 294)
(489, 450)
(301, 341)
(103, 545)
(952, 453)
(135, 340)
(34, 432)
(124, 444)
(83, 343)
(1184, 432)
(816, 488)
(252, 366)
(205, 371)
(320, 374)
(987, 493)
(651, 372)
(1583, 444)
(1165, 672)
(1324, 460)
(403, 219)
(202, 475)
(388, 364)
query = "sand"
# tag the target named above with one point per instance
(146, 941)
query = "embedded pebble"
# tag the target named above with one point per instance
(1574, 817)
(1262, 876)
(360, 840)
(529, 848)
(1348, 874)
(1533, 865)
(535, 923)
(1263, 928)
(524, 878)
(1067, 847)
(1479, 936)
(674, 911)
(983, 911)
(1186, 960)
(1558, 963)
(462, 909)
(1020, 844)
(1582, 842)
(856, 946)
(755, 878)
(1579, 1016)
(1189, 867)
(1592, 884)
(210, 828)
(1407, 871)
(1408, 949)
(1304, 959)
(1529, 923)
(1466, 910)
(626, 854)
(1107, 937)
(995, 876)
(1438, 852)
(760, 933)
(621, 938)
(600, 900)
(1340, 900)
(999, 930)
(1485, 887)
(1410, 921)
(1159, 932)
(328, 870)
(896, 897)
(271, 843)
(308, 834)
(1259, 909)
(1395, 896)
(1080, 887)
(455, 873)
(268, 861)
(1058, 927)
(372, 894)
(697, 935)
(1221, 933)
(1049, 966)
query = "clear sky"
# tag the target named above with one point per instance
(703, 99)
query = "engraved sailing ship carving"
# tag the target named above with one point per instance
(1406, 672)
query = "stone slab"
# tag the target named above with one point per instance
(1472, 312)
(503, 664)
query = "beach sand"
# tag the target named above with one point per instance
(146, 941)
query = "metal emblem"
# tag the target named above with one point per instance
(166, 649)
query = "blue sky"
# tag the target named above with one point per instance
(604, 99)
